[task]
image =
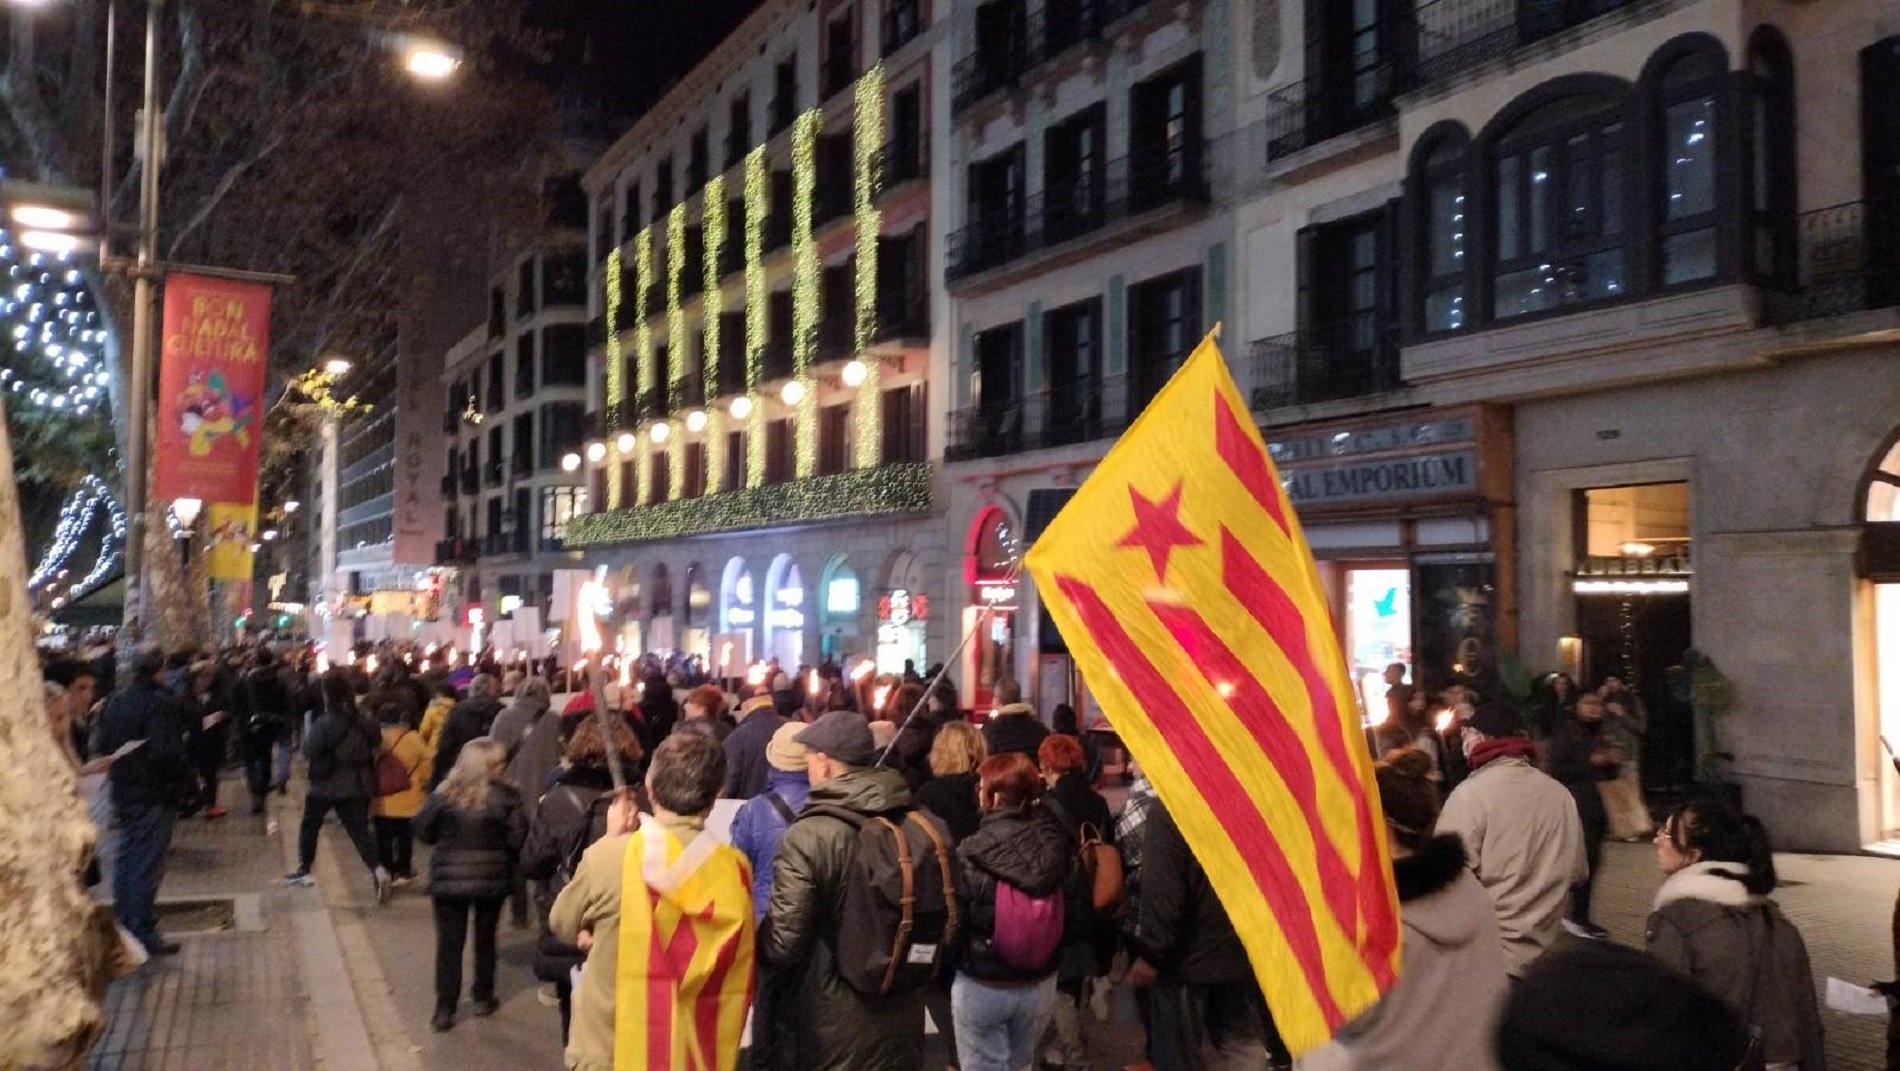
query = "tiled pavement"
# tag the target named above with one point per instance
(260, 999)
(230, 999)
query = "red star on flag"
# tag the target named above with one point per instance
(1158, 528)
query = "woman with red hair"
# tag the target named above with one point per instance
(1090, 946)
(1011, 890)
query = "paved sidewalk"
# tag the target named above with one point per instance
(232, 998)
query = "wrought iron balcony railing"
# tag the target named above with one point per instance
(1345, 359)
(1083, 410)
(1847, 259)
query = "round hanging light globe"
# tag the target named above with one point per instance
(741, 407)
(626, 442)
(570, 461)
(596, 452)
(696, 421)
(659, 431)
(793, 392)
(853, 374)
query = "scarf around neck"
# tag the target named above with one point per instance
(1504, 747)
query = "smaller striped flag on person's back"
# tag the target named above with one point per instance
(1188, 595)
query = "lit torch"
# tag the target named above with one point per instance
(590, 646)
(1443, 721)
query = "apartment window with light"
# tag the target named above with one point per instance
(560, 505)
(1688, 155)
(1559, 176)
(1445, 221)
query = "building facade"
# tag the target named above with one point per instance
(514, 396)
(766, 285)
(1571, 327)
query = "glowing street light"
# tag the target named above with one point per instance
(430, 61)
(741, 407)
(853, 374)
(696, 421)
(596, 452)
(793, 392)
(292, 506)
(626, 442)
(337, 366)
(659, 431)
(186, 510)
(570, 461)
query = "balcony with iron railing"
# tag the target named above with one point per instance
(903, 21)
(1049, 31)
(1085, 410)
(650, 404)
(776, 360)
(1453, 36)
(1847, 259)
(986, 71)
(1326, 105)
(903, 314)
(1350, 358)
(1127, 187)
(497, 543)
(902, 162)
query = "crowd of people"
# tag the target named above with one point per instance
(886, 862)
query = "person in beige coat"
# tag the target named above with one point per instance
(1523, 840)
(1451, 983)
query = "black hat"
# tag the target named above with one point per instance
(1602, 1007)
(1497, 718)
(843, 735)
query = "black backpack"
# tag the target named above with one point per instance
(900, 897)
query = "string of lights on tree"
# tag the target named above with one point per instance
(89, 501)
(56, 371)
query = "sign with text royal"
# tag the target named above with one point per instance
(213, 354)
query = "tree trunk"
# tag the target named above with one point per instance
(175, 615)
(49, 957)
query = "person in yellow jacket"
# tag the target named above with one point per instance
(665, 916)
(391, 813)
(437, 715)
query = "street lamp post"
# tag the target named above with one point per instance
(139, 390)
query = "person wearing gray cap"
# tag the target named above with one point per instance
(824, 1022)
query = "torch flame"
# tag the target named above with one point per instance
(862, 670)
(1443, 721)
(813, 683)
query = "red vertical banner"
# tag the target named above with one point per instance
(213, 354)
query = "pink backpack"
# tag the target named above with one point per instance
(1028, 928)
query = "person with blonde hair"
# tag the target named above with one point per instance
(474, 819)
(950, 794)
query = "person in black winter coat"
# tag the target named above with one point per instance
(263, 709)
(470, 719)
(147, 784)
(1202, 987)
(659, 711)
(1013, 725)
(341, 756)
(1081, 810)
(1580, 757)
(478, 827)
(950, 794)
(571, 816)
(746, 769)
(1002, 1007)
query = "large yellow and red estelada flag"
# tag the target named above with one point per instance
(1179, 576)
(685, 977)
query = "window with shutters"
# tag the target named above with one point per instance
(834, 439)
(695, 475)
(660, 475)
(1347, 344)
(905, 424)
(778, 450)
(1164, 325)
(1075, 173)
(734, 461)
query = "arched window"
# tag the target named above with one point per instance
(1559, 172)
(1882, 493)
(1771, 172)
(1440, 177)
(1687, 80)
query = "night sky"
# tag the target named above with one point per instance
(637, 47)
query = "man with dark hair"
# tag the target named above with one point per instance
(81, 686)
(147, 783)
(262, 707)
(698, 897)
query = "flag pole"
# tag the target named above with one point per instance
(983, 615)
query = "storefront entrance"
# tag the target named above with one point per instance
(993, 551)
(1879, 736)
